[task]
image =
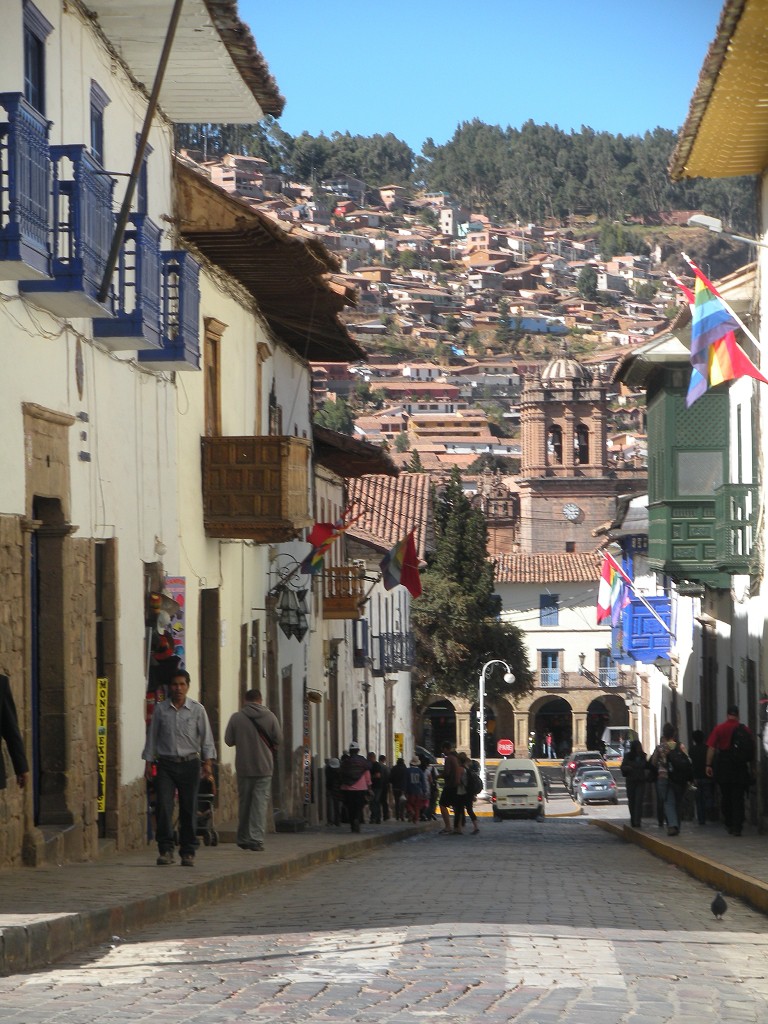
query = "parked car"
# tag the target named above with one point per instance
(613, 757)
(591, 765)
(591, 786)
(571, 763)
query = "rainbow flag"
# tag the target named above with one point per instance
(400, 566)
(716, 356)
(321, 536)
(614, 590)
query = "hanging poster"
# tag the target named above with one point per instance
(101, 741)
(175, 588)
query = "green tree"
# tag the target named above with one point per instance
(402, 442)
(586, 283)
(335, 416)
(456, 624)
(415, 464)
(408, 259)
(645, 291)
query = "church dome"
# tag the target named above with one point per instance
(564, 368)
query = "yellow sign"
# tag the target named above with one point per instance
(399, 744)
(102, 686)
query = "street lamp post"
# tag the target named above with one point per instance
(702, 220)
(508, 678)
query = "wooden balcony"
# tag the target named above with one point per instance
(343, 592)
(256, 488)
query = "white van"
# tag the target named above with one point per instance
(518, 790)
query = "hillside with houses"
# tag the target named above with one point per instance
(454, 311)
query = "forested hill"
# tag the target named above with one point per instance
(531, 173)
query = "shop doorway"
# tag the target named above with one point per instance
(438, 725)
(48, 691)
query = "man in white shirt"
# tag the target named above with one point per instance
(179, 734)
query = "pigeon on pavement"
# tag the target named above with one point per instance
(719, 906)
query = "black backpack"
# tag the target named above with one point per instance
(742, 748)
(679, 765)
(352, 769)
(474, 782)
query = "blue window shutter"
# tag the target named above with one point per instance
(645, 639)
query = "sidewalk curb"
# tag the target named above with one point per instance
(36, 944)
(727, 880)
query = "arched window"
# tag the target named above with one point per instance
(555, 444)
(581, 445)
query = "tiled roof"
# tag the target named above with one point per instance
(392, 507)
(555, 567)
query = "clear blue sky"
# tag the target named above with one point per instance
(417, 68)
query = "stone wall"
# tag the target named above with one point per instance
(15, 804)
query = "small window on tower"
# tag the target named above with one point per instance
(555, 444)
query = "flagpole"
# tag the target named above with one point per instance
(735, 316)
(639, 597)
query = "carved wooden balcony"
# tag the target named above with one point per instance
(256, 488)
(343, 591)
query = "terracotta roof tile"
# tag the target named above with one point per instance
(554, 567)
(392, 506)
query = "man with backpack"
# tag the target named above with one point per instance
(730, 754)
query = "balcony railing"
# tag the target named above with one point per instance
(25, 188)
(180, 314)
(343, 591)
(256, 488)
(136, 300)
(608, 676)
(550, 678)
(736, 506)
(393, 652)
(82, 224)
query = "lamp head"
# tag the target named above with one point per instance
(701, 220)
(509, 677)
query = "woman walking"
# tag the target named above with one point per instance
(634, 768)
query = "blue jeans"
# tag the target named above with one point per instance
(182, 777)
(670, 796)
(252, 799)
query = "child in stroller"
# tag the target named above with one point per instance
(205, 823)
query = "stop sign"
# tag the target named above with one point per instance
(506, 748)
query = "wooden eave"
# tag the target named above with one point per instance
(215, 72)
(726, 132)
(349, 456)
(287, 273)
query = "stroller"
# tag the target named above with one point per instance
(204, 821)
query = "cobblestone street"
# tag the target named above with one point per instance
(551, 923)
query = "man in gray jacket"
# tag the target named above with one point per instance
(255, 733)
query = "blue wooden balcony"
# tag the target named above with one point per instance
(25, 187)
(82, 223)
(180, 314)
(136, 293)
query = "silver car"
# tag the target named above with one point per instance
(591, 786)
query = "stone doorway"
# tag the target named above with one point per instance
(49, 699)
(552, 716)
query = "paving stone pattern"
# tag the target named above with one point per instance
(551, 923)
